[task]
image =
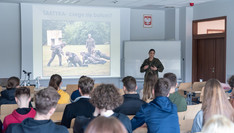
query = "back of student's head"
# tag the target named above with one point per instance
(149, 84)
(162, 87)
(218, 124)
(106, 96)
(86, 85)
(216, 101)
(172, 78)
(22, 92)
(12, 82)
(55, 81)
(103, 124)
(130, 83)
(46, 99)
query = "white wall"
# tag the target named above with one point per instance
(138, 32)
(9, 40)
(170, 24)
(217, 9)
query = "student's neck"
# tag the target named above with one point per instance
(23, 106)
(151, 58)
(86, 95)
(107, 113)
(41, 117)
(131, 92)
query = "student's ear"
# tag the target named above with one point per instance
(80, 92)
(60, 84)
(29, 99)
(16, 100)
(136, 88)
(124, 89)
(153, 92)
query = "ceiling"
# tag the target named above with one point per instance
(139, 4)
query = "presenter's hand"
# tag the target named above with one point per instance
(154, 68)
(146, 67)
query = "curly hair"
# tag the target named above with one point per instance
(106, 96)
(231, 81)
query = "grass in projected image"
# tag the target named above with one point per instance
(67, 69)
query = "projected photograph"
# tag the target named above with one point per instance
(75, 48)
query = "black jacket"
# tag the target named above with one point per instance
(78, 108)
(30, 125)
(8, 96)
(131, 105)
(82, 122)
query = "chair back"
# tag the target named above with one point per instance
(72, 122)
(60, 107)
(192, 110)
(7, 109)
(71, 87)
(184, 87)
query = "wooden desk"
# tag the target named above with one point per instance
(57, 117)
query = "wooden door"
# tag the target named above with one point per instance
(210, 59)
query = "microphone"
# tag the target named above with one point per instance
(24, 71)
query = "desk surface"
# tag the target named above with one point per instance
(57, 117)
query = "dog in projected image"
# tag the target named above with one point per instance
(73, 60)
(95, 57)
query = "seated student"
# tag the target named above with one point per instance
(132, 102)
(174, 96)
(215, 103)
(45, 101)
(149, 83)
(231, 83)
(56, 82)
(8, 95)
(75, 94)
(82, 106)
(105, 98)
(103, 124)
(22, 98)
(160, 115)
(218, 124)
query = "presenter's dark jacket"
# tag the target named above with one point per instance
(8, 96)
(78, 108)
(30, 125)
(131, 105)
(160, 116)
(155, 62)
(82, 122)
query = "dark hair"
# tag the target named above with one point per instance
(46, 99)
(162, 87)
(86, 84)
(103, 124)
(151, 50)
(130, 83)
(106, 96)
(12, 82)
(172, 78)
(22, 91)
(231, 81)
(55, 81)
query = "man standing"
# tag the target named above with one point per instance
(151, 64)
(132, 102)
(57, 50)
(90, 44)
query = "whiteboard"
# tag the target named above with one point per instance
(168, 52)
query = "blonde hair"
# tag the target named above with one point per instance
(218, 124)
(149, 84)
(215, 101)
(103, 124)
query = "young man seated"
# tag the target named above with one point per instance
(76, 94)
(81, 106)
(22, 98)
(45, 101)
(132, 102)
(160, 115)
(175, 97)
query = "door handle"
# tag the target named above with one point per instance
(212, 69)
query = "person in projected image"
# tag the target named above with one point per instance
(73, 60)
(96, 57)
(90, 44)
(57, 50)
